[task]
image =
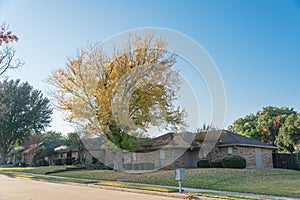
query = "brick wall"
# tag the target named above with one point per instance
(247, 152)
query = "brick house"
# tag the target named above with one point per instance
(65, 152)
(170, 151)
(14, 156)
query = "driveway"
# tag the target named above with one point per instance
(12, 188)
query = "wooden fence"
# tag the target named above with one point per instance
(285, 161)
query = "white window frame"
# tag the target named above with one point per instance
(162, 157)
(229, 151)
(133, 157)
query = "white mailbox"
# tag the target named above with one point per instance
(180, 174)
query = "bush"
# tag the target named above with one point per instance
(149, 166)
(140, 166)
(57, 161)
(234, 162)
(128, 166)
(110, 166)
(76, 162)
(67, 161)
(203, 163)
(135, 166)
(217, 163)
(43, 162)
(298, 157)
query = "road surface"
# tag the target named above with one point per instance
(12, 188)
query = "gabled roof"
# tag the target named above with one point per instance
(15, 151)
(229, 138)
(32, 147)
(64, 149)
(182, 139)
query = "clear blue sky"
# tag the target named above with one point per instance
(255, 44)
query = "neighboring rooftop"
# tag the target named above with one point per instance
(229, 138)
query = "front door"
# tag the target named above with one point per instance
(258, 158)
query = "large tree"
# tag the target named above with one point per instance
(121, 92)
(24, 110)
(7, 53)
(53, 138)
(273, 125)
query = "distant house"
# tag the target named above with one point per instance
(25, 155)
(14, 156)
(65, 152)
(30, 151)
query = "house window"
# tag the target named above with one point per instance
(229, 151)
(162, 157)
(133, 157)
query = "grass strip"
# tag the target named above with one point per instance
(137, 186)
(49, 178)
(227, 196)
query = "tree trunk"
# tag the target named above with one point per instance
(118, 161)
(3, 156)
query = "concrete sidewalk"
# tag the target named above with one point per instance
(185, 189)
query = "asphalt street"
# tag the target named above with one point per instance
(12, 188)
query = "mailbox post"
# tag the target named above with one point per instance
(179, 176)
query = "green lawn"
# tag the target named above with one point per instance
(106, 175)
(268, 181)
(34, 170)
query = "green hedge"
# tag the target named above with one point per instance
(128, 166)
(139, 166)
(43, 162)
(203, 163)
(149, 166)
(68, 160)
(234, 162)
(217, 163)
(57, 161)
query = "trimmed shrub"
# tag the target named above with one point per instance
(234, 162)
(149, 166)
(135, 166)
(67, 161)
(298, 157)
(57, 161)
(140, 166)
(128, 166)
(43, 162)
(203, 163)
(64, 161)
(110, 166)
(76, 161)
(217, 163)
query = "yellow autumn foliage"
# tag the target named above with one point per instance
(88, 86)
